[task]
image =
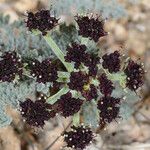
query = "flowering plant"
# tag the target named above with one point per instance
(91, 89)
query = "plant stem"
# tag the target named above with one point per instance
(58, 52)
(62, 74)
(84, 40)
(76, 119)
(54, 98)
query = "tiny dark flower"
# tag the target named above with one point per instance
(76, 53)
(68, 105)
(55, 87)
(92, 64)
(78, 80)
(44, 71)
(106, 85)
(90, 27)
(111, 62)
(36, 113)
(91, 93)
(10, 66)
(109, 109)
(41, 20)
(79, 137)
(40, 96)
(135, 75)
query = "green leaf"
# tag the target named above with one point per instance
(15, 35)
(126, 111)
(128, 99)
(11, 94)
(4, 119)
(120, 76)
(44, 88)
(130, 96)
(90, 114)
(108, 8)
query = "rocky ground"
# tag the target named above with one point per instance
(130, 35)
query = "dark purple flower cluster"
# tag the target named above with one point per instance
(36, 113)
(109, 109)
(76, 53)
(92, 64)
(79, 137)
(10, 66)
(41, 20)
(44, 71)
(111, 62)
(91, 27)
(78, 80)
(84, 78)
(106, 86)
(68, 105)
(91, 93)
(135, 75)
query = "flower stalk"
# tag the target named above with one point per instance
(76, 119)
(58, 52)
(84, 40)
(54, 98)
